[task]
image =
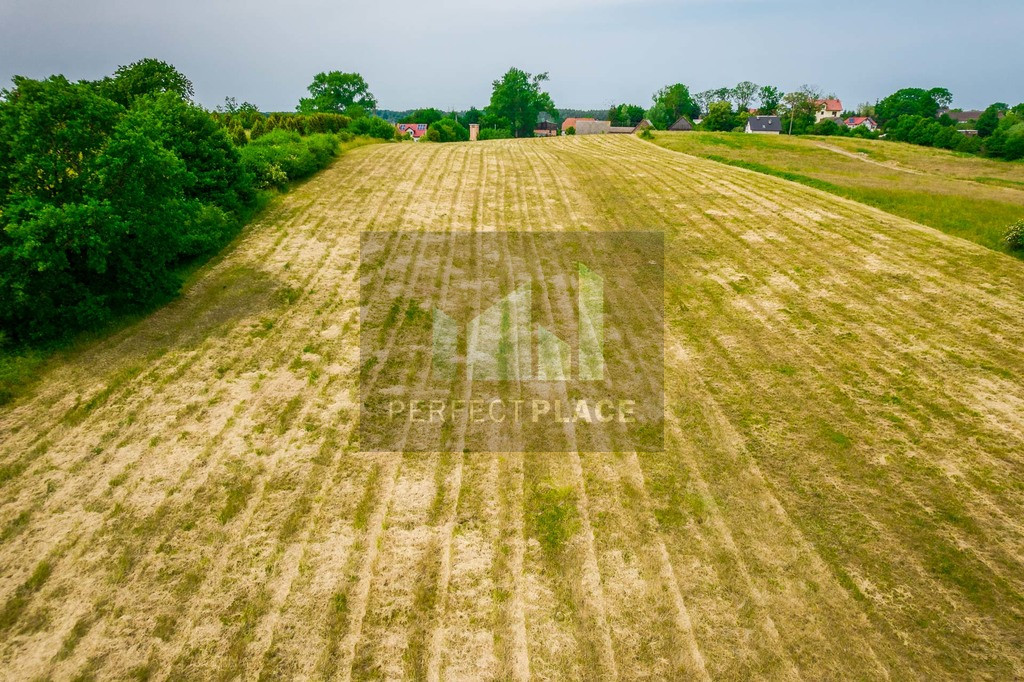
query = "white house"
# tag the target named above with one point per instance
(827, 109)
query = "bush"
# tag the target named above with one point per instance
(827, 127)
(106, 190)
(129, 194)
(372, 126)
(646, 134)
(1014, 236)
(571, 130)
(283, 156)
(495, 133)
(447, 130)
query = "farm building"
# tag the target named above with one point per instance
(592, 127)
(857, 121)
(571, 123)
(545, 129)
(827, 109)
(589, 126)
(413, 130)
(962, 116)
(683, 124)
(764, 125)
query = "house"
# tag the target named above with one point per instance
(764, 125)
(545, 129)
(962, 116)
(681, 125)
(571, 123)
(413, 130)
(620, 130)
(826, 109)
(588, 126)
(856, 121)
(644, 124)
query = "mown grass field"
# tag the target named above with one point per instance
(960, 194)
(840, 496)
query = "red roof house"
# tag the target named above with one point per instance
(865, 121)
(828, 108)
(413, 130)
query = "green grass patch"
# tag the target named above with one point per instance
(555, 517)
(941, 191)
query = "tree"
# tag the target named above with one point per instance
(703, 100)
(801, 109)
(100, 204)
(671, 102)
(943, 97)
(720, 117)
(428, 116)
(447, 130)
(743, 94)
(472, 115)
(770, 97)
(373, 126)
(209, 155)
(339, 93)
(626, 115)
(988, 121)
(145, 77)
(91, 205)
(517, 97)
(912, 102)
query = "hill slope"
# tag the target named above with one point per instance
(840, 494)
(966, 196)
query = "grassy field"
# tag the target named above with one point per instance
(840, 495)
(960, 194)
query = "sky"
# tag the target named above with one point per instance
(596, 52)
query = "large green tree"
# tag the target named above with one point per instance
(145, 77)
(989, 120)
(517, 98)
(770, 98)
(339, 93)
(912, 102)
(744, 94)
(671, 102)
(720, 117)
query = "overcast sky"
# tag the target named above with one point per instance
(597, 52)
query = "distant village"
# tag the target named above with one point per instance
(829, 109)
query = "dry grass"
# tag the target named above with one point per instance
(840, 495)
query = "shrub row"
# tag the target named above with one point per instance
(281, 156)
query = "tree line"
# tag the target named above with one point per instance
(110, 188)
